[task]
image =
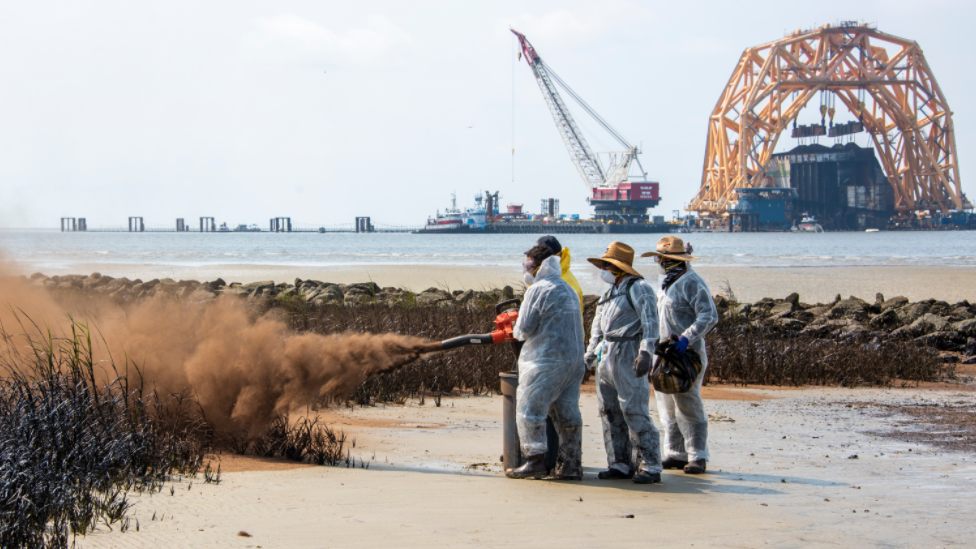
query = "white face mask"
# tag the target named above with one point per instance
(608, 277)
(529, 279)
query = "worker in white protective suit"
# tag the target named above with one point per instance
(550, 369)
(564, 262)
(626, 327)
(686, 309)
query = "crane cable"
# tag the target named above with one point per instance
(589, 110)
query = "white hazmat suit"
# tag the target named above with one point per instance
(686, 309)
(629, 435)
(550, 367)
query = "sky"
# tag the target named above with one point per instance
(322, 111)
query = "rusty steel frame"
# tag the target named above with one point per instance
(902, 108)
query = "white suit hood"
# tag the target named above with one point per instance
(550, 268)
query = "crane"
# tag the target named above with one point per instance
(612, 195)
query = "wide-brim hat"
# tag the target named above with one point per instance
(619, 255)
(671, 247)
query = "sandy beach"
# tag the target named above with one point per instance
(815, 476)
(814, 284)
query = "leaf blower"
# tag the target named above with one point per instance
(504, 323)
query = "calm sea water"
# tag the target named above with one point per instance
(54, 249)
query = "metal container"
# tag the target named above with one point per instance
(511, 445)
(511, 449)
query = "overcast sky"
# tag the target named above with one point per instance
(322, 111)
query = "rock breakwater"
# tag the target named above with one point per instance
(314, 292)
(932, 323)
(946, 327)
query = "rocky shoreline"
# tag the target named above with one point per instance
(932, 323)
(314, 292)
(937, 324)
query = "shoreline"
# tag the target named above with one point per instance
(814, 284)
(803, 468)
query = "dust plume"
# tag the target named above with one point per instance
(242, 368)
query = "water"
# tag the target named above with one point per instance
(46, 249)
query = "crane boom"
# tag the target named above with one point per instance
(613, 196)
(583, 158)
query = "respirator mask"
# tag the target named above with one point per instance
(528, 272)
(610, 275)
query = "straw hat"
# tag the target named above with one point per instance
(619, 255)
(671, 247)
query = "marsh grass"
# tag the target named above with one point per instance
(304, 440)
(742, 353)
(738, 352)
(72, 447)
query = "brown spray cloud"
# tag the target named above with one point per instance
(241, 368)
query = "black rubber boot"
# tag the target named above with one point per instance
(567, 473)
(535, 467)
(643, 477)
(695, 467)
(671, 463)
(613, 474)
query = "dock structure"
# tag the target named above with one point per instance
(280, 225)
(537, 227)
(363, 225)
(72, 224)
(209, 225)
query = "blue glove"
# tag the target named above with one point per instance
(682, 345)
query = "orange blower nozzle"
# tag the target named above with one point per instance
(504, 326)
(505, 322)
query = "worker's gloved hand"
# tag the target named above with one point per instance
(590, 360)
(643, 364)
(682, 345)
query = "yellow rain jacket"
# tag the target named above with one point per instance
(564, 260)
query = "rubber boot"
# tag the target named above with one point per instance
(563, 472)
(671, 463)
(613, 474)
(535, 467)
(643, 477)
(695, 467)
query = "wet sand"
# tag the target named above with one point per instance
(814, 284)
(783, 473)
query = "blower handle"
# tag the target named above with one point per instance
(470, 339)
(499, 307)
(497, 336)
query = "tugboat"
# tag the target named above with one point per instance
(450, 220)
(223, 228)
(454, 220)
(807, 225)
